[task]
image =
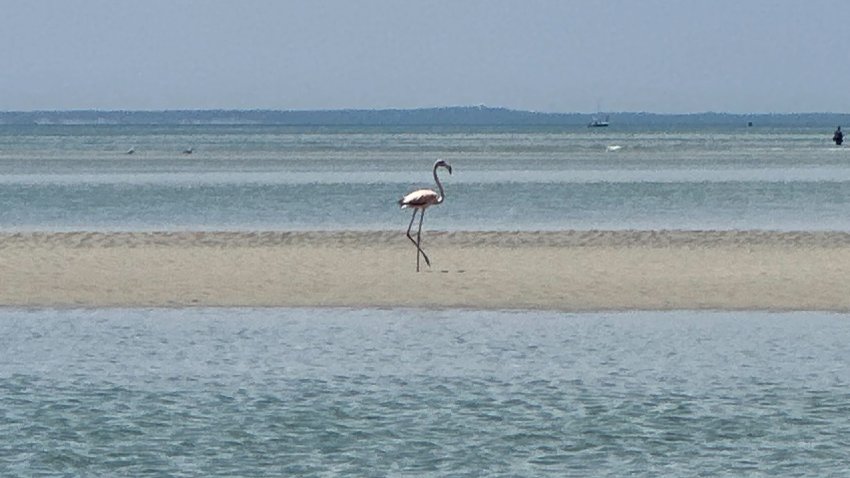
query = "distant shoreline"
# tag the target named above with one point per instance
(448, 116)
(559, 270)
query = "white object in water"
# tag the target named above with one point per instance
(614, 147)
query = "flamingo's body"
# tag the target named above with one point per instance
(419, 200)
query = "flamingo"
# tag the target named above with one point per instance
(419, 200)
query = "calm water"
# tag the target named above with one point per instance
(284, 178)
(277, 392)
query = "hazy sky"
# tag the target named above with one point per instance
(666, 56)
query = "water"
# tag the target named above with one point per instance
(329, 392)
(319, 178)
(277, 392)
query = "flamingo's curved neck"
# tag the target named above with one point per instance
(439, 186)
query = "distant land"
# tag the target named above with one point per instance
(448, 116)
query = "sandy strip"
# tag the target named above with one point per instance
(564, 270)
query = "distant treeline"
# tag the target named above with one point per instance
(461, 115)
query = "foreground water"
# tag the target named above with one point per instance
(525, 178)
(275, 392)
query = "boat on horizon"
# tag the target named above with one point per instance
(597, 123)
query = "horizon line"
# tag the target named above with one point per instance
(415, 109)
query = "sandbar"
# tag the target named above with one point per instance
(552, 270)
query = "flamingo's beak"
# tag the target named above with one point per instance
(449, 167)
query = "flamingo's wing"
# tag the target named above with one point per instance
(418, 198)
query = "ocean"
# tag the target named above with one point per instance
(79, 177)
(401, 392)
(344, 392)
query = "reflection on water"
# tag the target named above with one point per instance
(270, 392)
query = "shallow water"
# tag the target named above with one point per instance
(324, 392)
(287, 178)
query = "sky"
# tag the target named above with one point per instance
(660, 56)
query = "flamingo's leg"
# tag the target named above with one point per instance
(419, 242)
(415, 243)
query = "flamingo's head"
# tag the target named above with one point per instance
(443, 164)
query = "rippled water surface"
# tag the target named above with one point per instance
(77, 177)
(275, 392)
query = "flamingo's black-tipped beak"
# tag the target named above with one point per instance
(442, 164)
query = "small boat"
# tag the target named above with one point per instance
(598, 123)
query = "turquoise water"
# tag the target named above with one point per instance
(287, 178)
(281, 392)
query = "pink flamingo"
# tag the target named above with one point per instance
(419, 200)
